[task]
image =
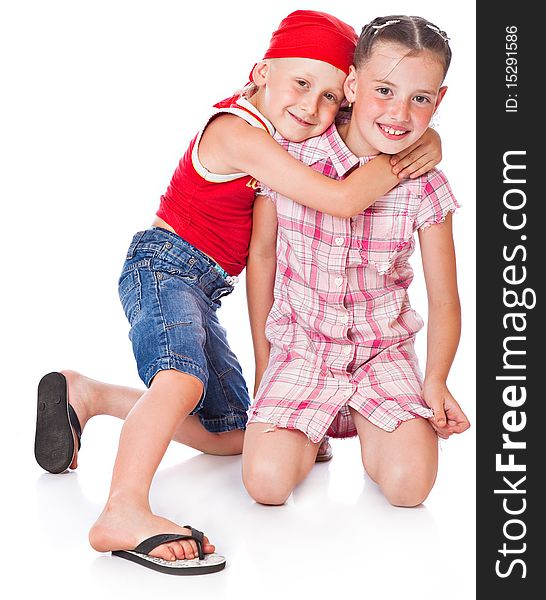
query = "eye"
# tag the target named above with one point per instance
(302, 82)
(421, 99)
(383, 91)
(331, 97)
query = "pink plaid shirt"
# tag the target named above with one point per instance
(341, 327)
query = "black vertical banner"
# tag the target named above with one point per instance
(510, 327)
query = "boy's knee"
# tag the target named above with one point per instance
(266, 481)
(408, 486)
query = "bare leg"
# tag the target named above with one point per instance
(403, 462)
(275, 460)
(90, 398)
(126, 520)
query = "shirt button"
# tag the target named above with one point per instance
(340, 241)
(339, 281)
(344, 318)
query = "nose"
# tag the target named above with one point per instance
(310, 104)
(400, 111)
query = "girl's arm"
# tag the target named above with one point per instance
(444, 326)
(229, 145)
(260, 278)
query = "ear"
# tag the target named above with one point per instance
(259, 73)
(350, 85)
(440, 97)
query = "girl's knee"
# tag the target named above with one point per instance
(408, 486)
(266, 481)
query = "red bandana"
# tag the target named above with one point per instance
(316, 35)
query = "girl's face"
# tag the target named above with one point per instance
(394, 96)
(299, 96)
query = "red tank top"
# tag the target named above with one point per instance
(210, 211)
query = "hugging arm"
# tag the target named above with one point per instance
(251, 150)
(420, 157)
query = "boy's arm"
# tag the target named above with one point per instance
(260, 278)
(251, 150)
(444, 326)
(420, 157)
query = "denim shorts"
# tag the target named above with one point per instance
(170, 292)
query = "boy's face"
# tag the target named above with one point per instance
(299, 96)
(395, 96)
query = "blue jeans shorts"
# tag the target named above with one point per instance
(170, 292)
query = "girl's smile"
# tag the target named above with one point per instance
(394, 95)
(391, 133)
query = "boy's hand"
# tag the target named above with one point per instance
(418, 158)
(448, 416)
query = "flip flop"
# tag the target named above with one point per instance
(206, 563)
(56, 421)
(325, 456)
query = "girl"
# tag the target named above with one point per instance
(176, 272)
(341, 329)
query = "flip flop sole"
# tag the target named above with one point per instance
(54, 441)
(324, 457)
(212, 563)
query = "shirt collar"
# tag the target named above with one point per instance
(328, 146)
(343, 160)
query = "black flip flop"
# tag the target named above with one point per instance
(55, 422)
(206, 563)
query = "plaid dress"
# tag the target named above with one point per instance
(341, 327)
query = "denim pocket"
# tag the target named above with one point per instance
(130, 293)
(181, 265)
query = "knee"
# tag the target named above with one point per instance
(408, 486)
(266, 481)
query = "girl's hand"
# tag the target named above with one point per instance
(418, 158)
(448, 416)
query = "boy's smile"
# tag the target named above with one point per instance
(303, 122)
(300, 96)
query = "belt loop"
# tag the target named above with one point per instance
(136, 239)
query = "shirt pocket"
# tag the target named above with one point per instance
(385, 234)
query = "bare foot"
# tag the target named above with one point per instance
(120, 527)
(80, 397)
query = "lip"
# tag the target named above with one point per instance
(299, 121)
(393, 136)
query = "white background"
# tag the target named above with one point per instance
(99, 100)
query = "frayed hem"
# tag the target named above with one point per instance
(438, 221)
(273, 426)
